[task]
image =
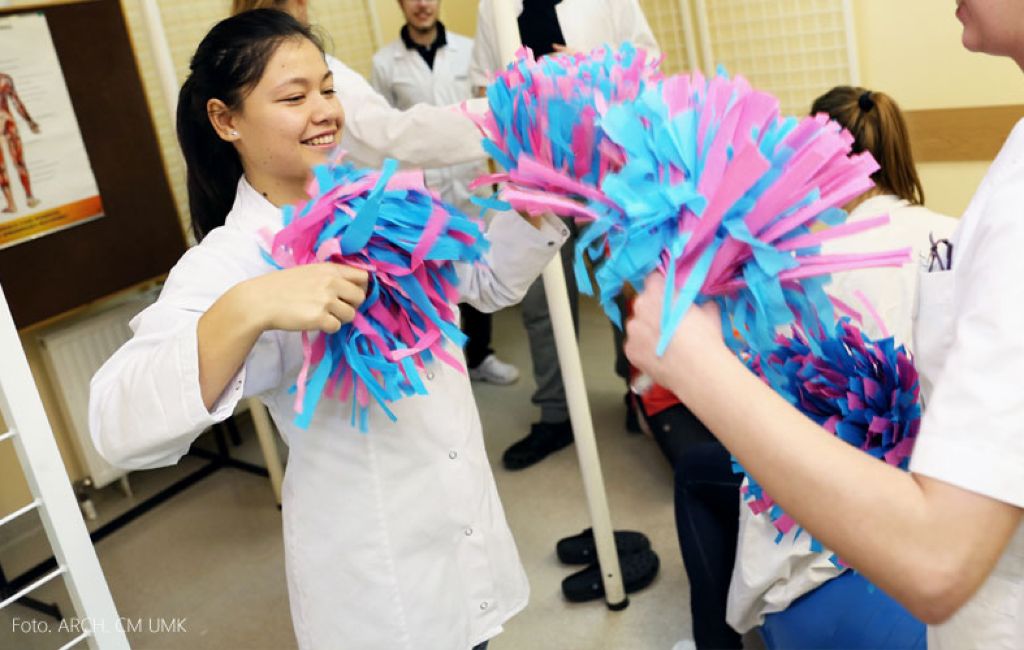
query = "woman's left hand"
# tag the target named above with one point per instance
(694, 344)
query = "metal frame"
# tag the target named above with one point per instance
(54, 498)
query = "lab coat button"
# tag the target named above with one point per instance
(483, 605)
(551, 243)
(469, 531)
(453, 454)
(430, 376)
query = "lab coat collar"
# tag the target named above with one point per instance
(878, 204)
(252, 211)
(440, 39)
(400, 49)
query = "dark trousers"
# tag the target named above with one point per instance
(707, 519)
(476, 325)
(482, 646)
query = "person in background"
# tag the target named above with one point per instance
(944, 539)
(428, 64)
(422, 136)
(548, 26)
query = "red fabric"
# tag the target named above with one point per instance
(657, 398)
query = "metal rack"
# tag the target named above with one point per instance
(53, 500)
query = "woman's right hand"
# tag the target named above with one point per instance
(319, 297)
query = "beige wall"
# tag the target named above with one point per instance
(911, 49)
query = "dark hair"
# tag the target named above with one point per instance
(876, 123)
(228, 63)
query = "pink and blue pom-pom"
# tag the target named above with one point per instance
(542, 128)
(863, 391)
(389, 224)
(731, 202)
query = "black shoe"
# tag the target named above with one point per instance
(638, 571)
(632, 417)
(544, 438)
(581, 549)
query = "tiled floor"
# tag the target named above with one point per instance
(213, 554)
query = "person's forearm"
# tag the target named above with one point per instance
(226, 333)
(878, 519)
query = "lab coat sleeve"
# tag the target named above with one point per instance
(145, 406)
(422, 136)
(485, 60)
(517, 256)
(972, 433)
(631, 25)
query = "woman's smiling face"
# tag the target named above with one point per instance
(289, 121)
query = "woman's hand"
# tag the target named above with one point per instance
(306, 298)
(694, 344)
(315, 297)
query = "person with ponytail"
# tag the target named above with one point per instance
(393, 539)
(422, 136)
(877, 125)
(945, 539)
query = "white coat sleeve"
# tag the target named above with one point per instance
(631, 25)
(517, 256)
(422, 136)
(145, 405)
(485, 60)
(972, 433)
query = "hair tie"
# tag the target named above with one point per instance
(865, 102)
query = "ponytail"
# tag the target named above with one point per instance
(877, 125)
(228, 63)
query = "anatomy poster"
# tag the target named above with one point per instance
(46, 181)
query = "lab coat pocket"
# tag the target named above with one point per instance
(934, 325)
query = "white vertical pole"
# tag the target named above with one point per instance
(162, 55)
(852, 53)
(703, 25)
(378, 38)
(690, 36)
(48, 481)
(506, 25)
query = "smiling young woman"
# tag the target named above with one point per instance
(393, 539)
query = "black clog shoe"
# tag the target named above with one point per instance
(581, 549)
(638, 571)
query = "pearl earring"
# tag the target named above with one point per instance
(234, 133)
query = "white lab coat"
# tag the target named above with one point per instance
(970, 353)
(402, 77)
(768, 576)
(585, 24)
(394, 538)
(422, 136)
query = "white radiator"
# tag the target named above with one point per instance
(72, 353)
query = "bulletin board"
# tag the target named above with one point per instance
(139, 237)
